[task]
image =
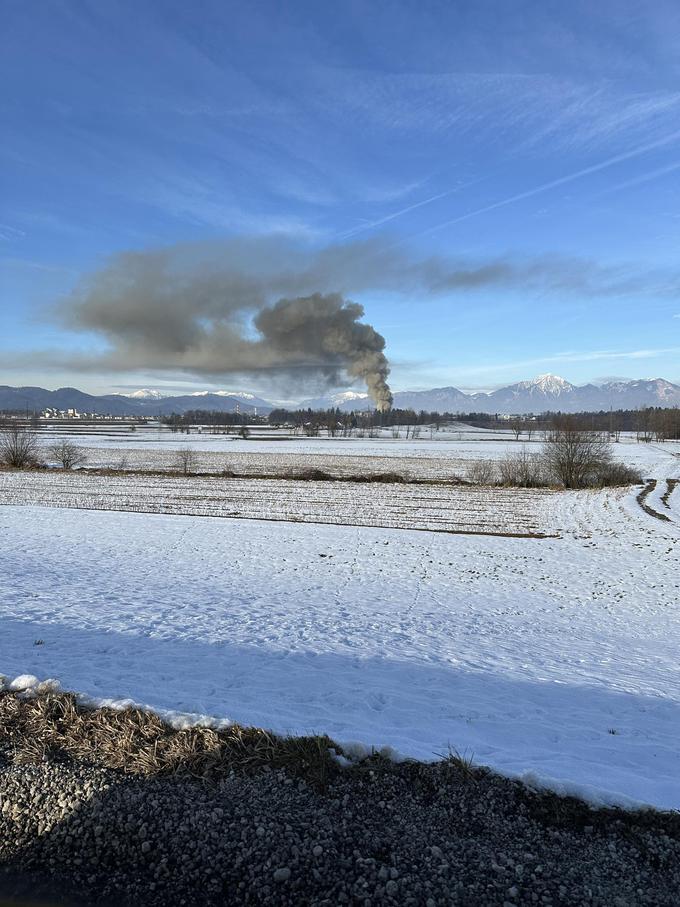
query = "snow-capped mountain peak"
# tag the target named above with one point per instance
(145, 394)
(242, 395)
(348, 395)
(547, 384)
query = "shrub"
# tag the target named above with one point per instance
(615, 473)
(313, 475)
(483, 472)
(522, 470)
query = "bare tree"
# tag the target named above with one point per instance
(515, 426)
(574, 456)
(185, 460)
(68, 455)
(643, 424)
(19, 447)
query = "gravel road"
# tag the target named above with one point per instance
(411, 834)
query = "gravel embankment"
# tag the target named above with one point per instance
(409, 834)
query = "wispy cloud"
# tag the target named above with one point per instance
(28, 265)
(200, 202)
(528, 110)
(8, 233)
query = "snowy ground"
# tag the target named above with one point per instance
(555, 657)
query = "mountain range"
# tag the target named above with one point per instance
(546, 392)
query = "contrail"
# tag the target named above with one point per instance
(561, 181)
(384, 220)
(638, 180)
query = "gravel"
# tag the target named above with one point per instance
(381, 834)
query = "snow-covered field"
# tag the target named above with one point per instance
(439, 508)
(554, 658)
(439, 455)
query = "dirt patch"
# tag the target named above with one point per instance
(642, 498)
(671, 485)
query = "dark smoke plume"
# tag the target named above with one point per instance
(272, 307)
(164, 311)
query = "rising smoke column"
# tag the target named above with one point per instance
(329, 325)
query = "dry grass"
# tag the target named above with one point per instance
(55, 725)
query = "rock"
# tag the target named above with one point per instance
(282, 874)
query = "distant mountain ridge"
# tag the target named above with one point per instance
(145, 403)
(545, 392)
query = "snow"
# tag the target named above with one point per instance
(551, 659)
(23, 682)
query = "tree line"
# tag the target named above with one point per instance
(193, 417)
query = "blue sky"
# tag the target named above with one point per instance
(523, 132)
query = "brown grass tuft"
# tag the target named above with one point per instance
(55, 725)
